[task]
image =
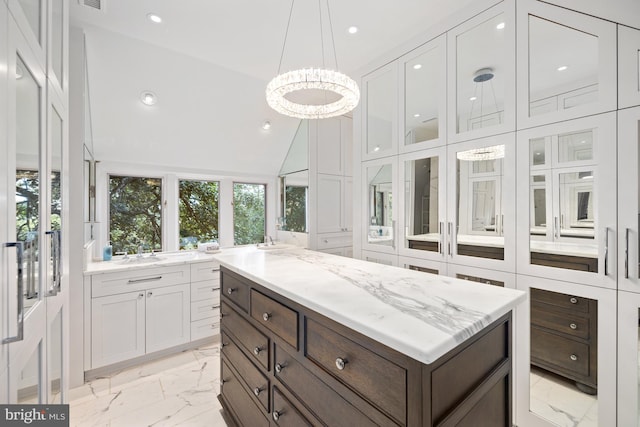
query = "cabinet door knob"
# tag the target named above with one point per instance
(230, 291)
(149, 294)
(573, 300)
(276, 415)
(257, 351)
(213, 289)
(279, 368)
(573, 326)
(326, 241)
(140, 295)
(573, 357)
(266, 317)
(257, 391)
(341, 363)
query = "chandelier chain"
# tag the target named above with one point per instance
(321, 32)
(333, 40)
(286, 34)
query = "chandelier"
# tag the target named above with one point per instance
(332, 83)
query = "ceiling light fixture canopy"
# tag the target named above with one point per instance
(330, 82)
(148, 98)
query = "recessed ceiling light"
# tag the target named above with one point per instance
(473, 98)
(562, 68)
(154, 18)
(352, 29)
(416, 115)
(500, 26)
(417, 66)
(148, 98)
(266, 125)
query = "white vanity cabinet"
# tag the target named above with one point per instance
(137, 312)
(205, 300)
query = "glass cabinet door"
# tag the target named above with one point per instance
(480, 225)
(481, 68)
(570, 59)
(380, 122)
(379, 178)
(424, 109)
(568, 224)
(424, 204)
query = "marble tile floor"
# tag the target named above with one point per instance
(559, 401)
(179, 390)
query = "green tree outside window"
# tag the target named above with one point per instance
(198, 210)
(249, 211)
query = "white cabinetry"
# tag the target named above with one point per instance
(205, 300)
(628, 66)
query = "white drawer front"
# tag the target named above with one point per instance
(138, 279)
(338, 240)
(205, 290)
(205, 309)
(205, 328)
(205, 271)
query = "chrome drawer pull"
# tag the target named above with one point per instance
(257, 351)
(140, 295)
(149, 294)
(224, 344)
(213, 326)
(230, 291)
(257, 391)
(573, 300)
(266, 317)
(276, 415)
(573, 357)
(279, 368)
(573, 326)
(148, 279)
(341, 363)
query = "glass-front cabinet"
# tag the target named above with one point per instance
(379, 178)
(570, 60)
(380, 112)
(628, 67)
(564, 200)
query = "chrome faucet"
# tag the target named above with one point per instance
(139, 251)
(272, 243)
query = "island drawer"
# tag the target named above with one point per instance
(278, 318)
(285, 414)
(559, 353)
(377, 379)
(205, 271)
(138, 280)
(328, 405)
(559, 301)
(205, 328)
(245, 410)
(257, 384)
(205, 290)
(235, 289)
(565, 323)
(205, 309)
(253, 341)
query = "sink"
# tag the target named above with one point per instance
(133, 260)
(276, 246)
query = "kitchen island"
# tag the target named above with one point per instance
(314, 339)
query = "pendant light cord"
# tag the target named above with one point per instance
(286, 34)
(321, 33)
(333, 40)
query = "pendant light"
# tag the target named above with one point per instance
(332, 83)
(483, 77)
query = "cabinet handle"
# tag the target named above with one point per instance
(449, 237)
(257, 351)
(606, 251)
(230, 291)
(341, 363)
(148, 279)
(224, 344)
(626, 254)
(393, 233)
(573, 300)
(19, 257)
(279, 368)
(276, 415)
(213, 270)
(555, 227)
(141, 295)
(441, 240)
(55, 249)
(149, 294)
(326, 241)
(257, 391)
(573, 326)
(573, 357)
(213, 326)
(266, 317)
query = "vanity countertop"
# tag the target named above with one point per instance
(420, 315)
(160, 259)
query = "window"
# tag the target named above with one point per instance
(295, 210)
(249, 203)
(135, 213)
(198, 210)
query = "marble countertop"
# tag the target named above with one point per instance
(420, 315)
(587, 250)
(160, 259)
(464, 239)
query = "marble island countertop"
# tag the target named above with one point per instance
(159, 259)
(420, 315)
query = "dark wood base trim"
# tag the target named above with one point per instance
(230, 418)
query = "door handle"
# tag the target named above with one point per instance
(441, 240)
(626, 254)
(55, 254)
(19, 259)
(606, 251)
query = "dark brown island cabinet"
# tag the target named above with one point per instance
(283, 364)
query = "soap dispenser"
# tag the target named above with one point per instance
(107, 252)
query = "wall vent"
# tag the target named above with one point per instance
(95, 4)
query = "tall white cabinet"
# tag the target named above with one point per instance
(524, 179)
(34, 201)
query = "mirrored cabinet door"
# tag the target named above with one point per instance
(629, 201)
(31, 18)
(570, 59)
(58, 36)
(381, 210)
(628, 67)
(565, 352)
(628, 359)
(481, 71)
(380, 112)
(424, 109)
(423, 201)
(481, 215)
(566, 177)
